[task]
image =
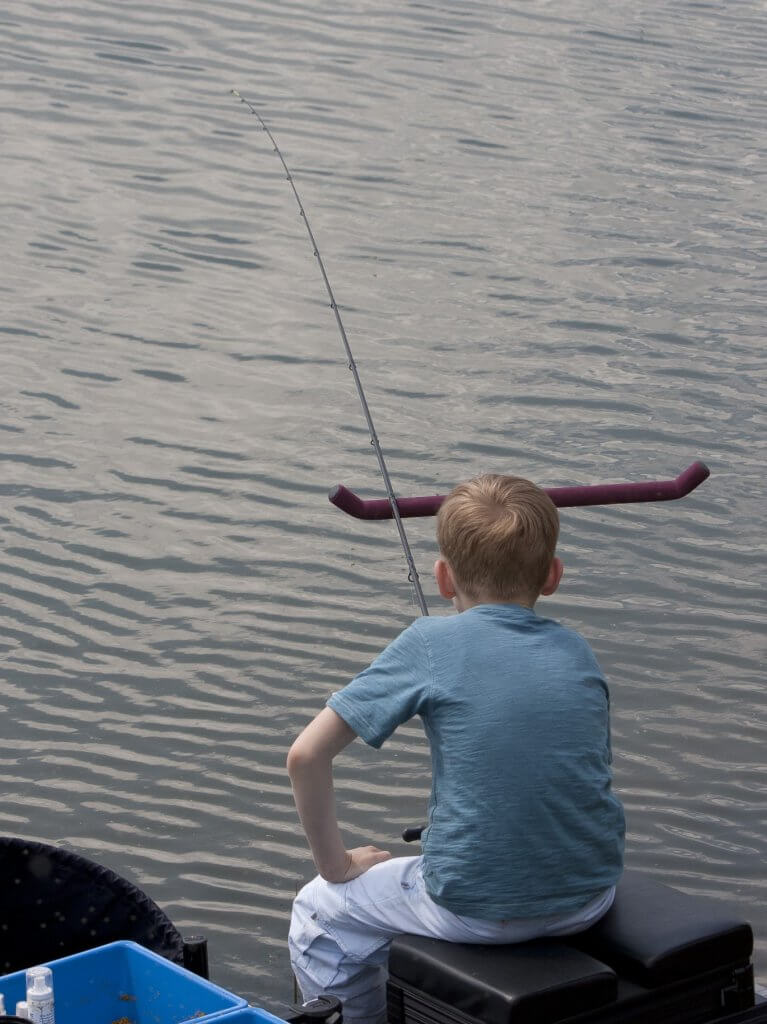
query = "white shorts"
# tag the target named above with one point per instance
(340, 933)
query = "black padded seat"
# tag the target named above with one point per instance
(532, 983)
(658, 954)
(655, 935)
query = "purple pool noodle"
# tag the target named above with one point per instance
(563, 497)
(618, 494)
(379, 508)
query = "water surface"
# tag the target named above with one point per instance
(545, 226)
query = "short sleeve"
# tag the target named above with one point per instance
(393, 689)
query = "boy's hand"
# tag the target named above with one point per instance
(359, 860)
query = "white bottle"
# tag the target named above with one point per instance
(22, 1010)
(40, 995)
(2, 1005)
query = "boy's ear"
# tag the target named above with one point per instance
(552, 580)
(444, 577)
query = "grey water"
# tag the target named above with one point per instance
(545, 227)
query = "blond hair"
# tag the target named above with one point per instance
(498, 534)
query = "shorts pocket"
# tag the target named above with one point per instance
(313, 952)
(355, 940)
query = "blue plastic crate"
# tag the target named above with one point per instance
(124, 982)
(249, 1015)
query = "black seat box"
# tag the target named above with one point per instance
(658, 956)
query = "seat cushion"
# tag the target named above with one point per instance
(531, 983)
(655, 935)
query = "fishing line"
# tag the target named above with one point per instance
(412, 571)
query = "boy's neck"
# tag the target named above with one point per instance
(462, 602)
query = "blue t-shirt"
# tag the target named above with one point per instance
(522, 819)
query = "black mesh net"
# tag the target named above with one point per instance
(56, 902)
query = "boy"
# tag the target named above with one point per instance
(524, 836)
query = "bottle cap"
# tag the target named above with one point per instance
(22, 1009)
(39, 985)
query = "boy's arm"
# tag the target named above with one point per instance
(310, 767)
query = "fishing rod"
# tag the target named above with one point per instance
(391, 498)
